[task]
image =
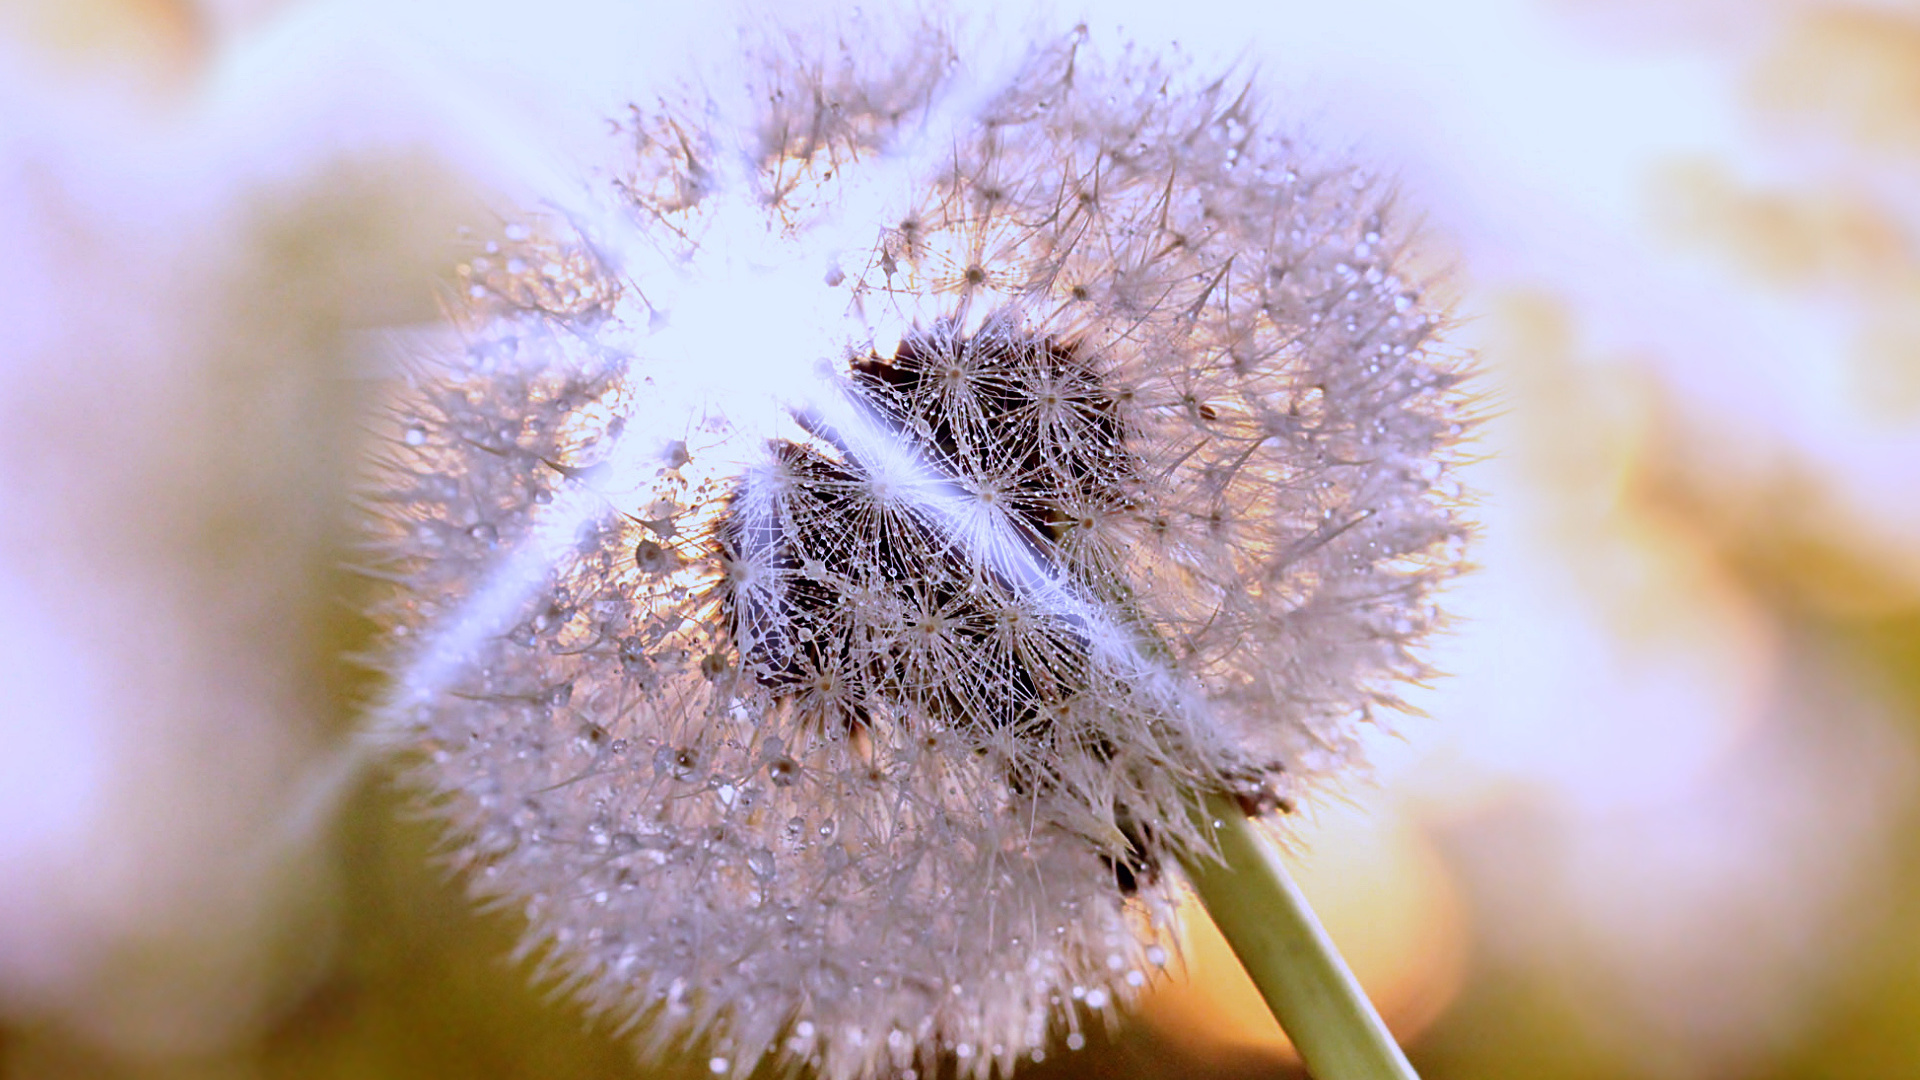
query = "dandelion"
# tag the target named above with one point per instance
(840, 578)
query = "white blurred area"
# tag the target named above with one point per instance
(1683, 239)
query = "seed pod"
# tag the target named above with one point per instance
(861, 730)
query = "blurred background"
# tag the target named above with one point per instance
(1659, 822)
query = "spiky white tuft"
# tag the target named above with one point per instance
(834, 570)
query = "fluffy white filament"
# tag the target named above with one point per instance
(837, 563)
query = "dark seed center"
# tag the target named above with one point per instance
(819, 565)
(1025, 422)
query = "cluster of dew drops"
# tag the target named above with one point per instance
(776, 759)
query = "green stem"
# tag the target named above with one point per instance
(1282, 945)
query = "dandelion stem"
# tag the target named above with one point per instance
(1266, 920)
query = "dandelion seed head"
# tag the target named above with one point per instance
(827, 660)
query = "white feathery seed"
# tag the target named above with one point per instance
(835, 566)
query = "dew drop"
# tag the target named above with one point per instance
(783, 771)
(677, 762)
(760, 862)
(633, 657)
(651, 557)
